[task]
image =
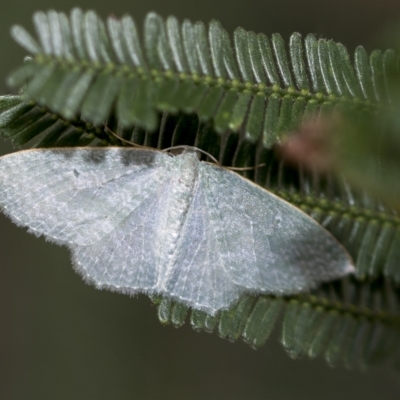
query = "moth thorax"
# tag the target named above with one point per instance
(183, 187)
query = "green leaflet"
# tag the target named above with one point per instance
(24, 122)
(189, 67)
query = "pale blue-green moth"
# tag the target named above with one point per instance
(144, 221)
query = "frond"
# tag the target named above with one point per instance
(256, 88)
(346, 322)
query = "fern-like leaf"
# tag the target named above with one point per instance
(344, 322)
(256, 88)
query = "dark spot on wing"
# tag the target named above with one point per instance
(94, 155)
(138, 156)
(127, 156)
(63, 152)
(76, 173)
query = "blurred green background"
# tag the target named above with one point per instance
(62, 339)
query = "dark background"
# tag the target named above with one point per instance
(62, 339)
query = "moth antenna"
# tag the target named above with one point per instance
(195, 149)
(214, 159)
(124, 140)
(246, 168)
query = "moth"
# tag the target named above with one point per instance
(144, 221)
